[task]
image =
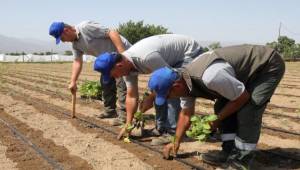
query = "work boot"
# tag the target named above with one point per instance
(104, 115)
(161, 140)
(138, 132)
(118, 121)
(219, 157)
(156, 132)
(215, 157)
(240, 159)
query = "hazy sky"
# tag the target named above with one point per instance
(254, 21)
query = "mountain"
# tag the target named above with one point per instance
(11, 44)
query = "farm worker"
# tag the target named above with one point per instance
(144, 57)
(241, 80)
(91, 38)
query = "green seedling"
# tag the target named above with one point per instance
(138, 122)
(128, 128)
(200, 127)
(90, 90)
(127, 140)
(173, 139)
(138, 116)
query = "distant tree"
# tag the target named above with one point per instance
(205, 49)
(285, 43)
(215, 45)
(286, 47)
(68, 52)
(297, 52)
(135, 31)
(49, 53)
(14, 54)
(273, 45)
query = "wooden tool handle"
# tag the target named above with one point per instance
(73, 104)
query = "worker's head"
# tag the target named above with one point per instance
(62, 32)
(112, 65)
(168, 83)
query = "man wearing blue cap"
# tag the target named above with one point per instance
(145, 56)
(241, 79)
(91, 38)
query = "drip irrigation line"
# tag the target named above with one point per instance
(51, 161)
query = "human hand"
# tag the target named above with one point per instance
(169, 149)
(215, 124)
(72, 87)
(125, 131)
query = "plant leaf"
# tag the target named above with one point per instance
(211, 118)
(206, 126)
(127, 140)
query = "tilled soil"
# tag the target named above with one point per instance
(32, 160)
(15, 154)
(86, 142)
(28, 101)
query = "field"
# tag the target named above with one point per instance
(36, 131)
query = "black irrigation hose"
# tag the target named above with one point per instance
(266, 112)
(114, 133)
(280, 130)
(280, 115)
(277, 129)
(180, 160)
(134, 141)
(52, 162)
(157, 151)
(281, 155)
(263, 126)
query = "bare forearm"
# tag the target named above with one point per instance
(233, 106)
(147, 102)
(116, 39)
(183, 123)
(131, 108)
(76, 69)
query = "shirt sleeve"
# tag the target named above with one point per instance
(155, 61)
(94, 30)
(77, 53)
(220, 77)
(131, 80)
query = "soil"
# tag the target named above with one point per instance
(34, 99)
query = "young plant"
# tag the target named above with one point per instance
(90, 90)
(200, 127)
(128, 129)
(138, 116)
(138, 122)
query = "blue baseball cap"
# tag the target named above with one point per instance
(56, 29)
(104, 63)
(161, 81)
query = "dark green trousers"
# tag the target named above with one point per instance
(109, 95)
(246, 122)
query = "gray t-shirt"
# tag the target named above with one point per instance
(219, 77)
(149, 54)
(94, 40)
